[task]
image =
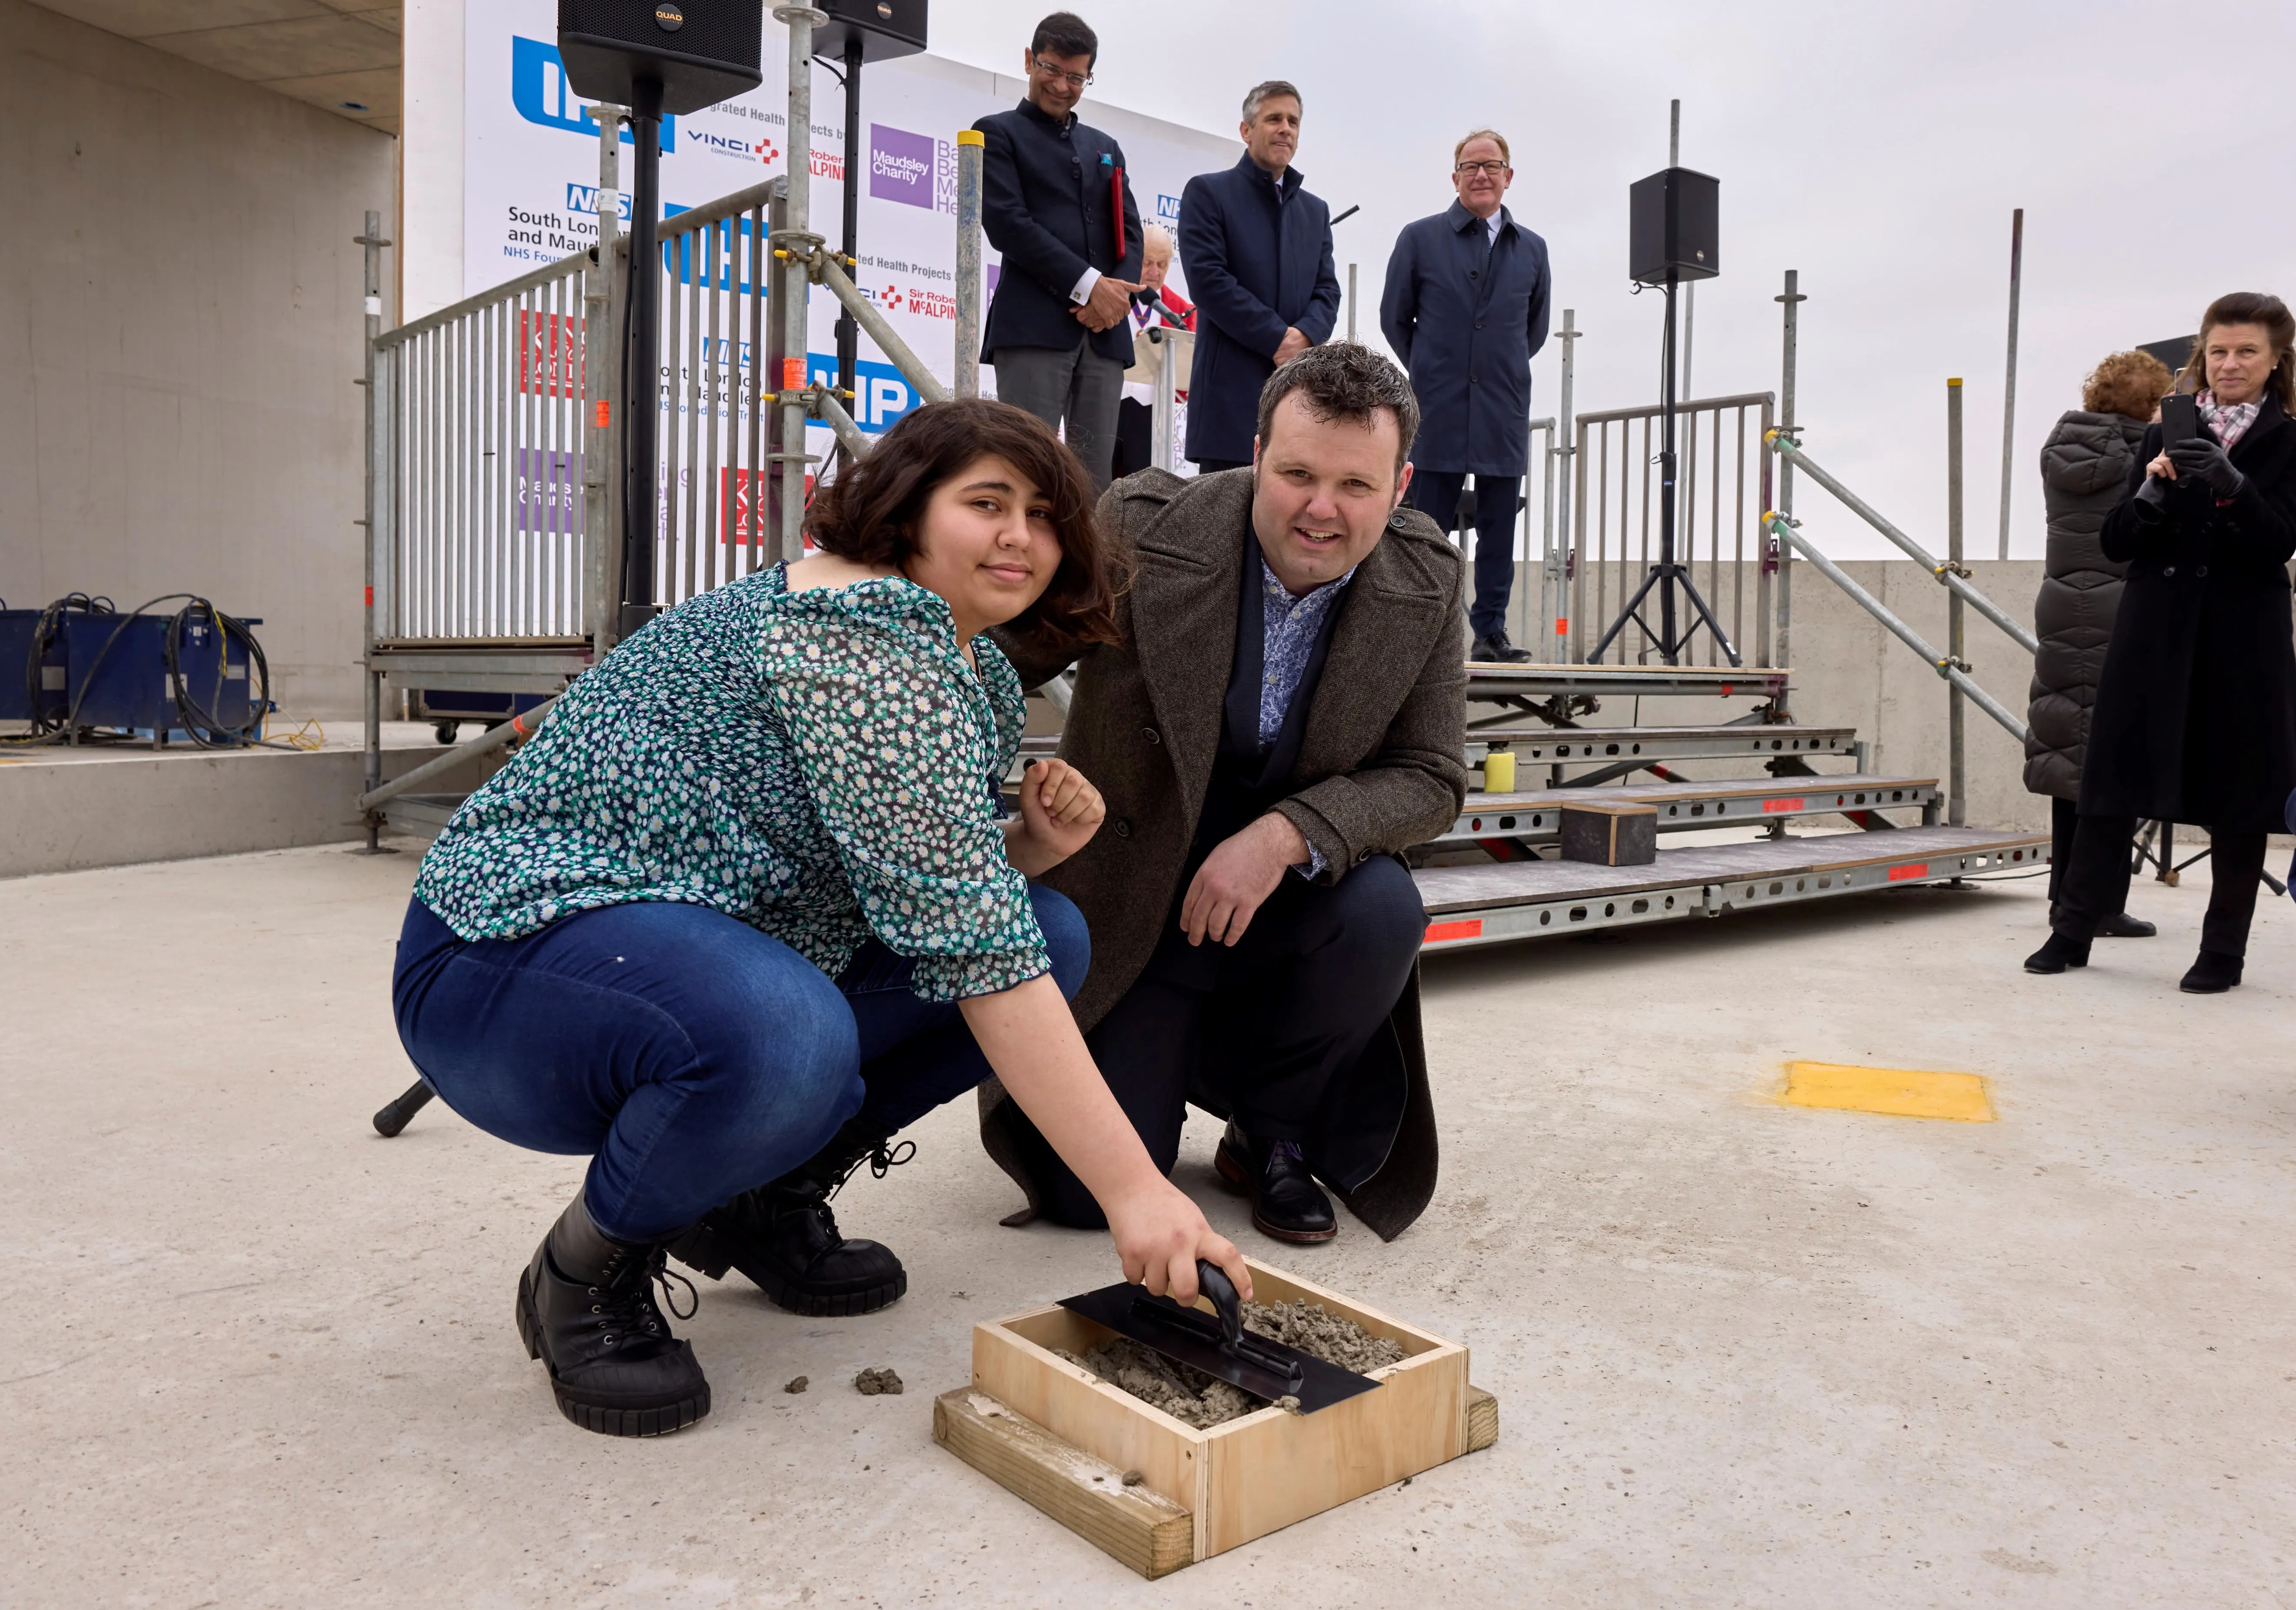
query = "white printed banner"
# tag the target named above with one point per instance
(530, 169)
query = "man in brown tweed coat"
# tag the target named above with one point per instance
(1284, 715)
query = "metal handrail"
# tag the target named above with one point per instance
(1786, 447)
(400, 334)
(523, 726)
(1945, 666)
(1614, 497)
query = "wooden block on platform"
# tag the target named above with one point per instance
(1610, 834)
(1145, 1530)
(1483, 1419)
(1235, 1482)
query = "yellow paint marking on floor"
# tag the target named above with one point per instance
(1902, 1092)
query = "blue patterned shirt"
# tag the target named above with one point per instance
(1289, 626)
(817, 764)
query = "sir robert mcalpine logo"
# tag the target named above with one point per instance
(916, 170)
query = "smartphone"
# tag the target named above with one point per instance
(2180, 418)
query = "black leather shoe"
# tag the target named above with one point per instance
(586, 1309)
(2060, 953)
(1286, 1202)
(1496, 649)
(784, 1237)
(2213, 973)
(2121, 925)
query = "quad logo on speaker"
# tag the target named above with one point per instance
(668, 18)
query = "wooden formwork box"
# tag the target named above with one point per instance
(1060, 1437)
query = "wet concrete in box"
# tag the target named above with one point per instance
(1195, 1398)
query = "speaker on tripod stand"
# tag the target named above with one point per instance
(1674, 234)
(659, 58)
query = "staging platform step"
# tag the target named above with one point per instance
(1497, 683)
(1537, 817)
(1573, 746)
(1502, 901)
(1547, 746)
(421, 816)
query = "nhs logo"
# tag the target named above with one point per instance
(539, 93)
(583, 198)
(1168, 209)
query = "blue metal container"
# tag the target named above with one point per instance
(448, 708)
(117, 675)
(18, 702)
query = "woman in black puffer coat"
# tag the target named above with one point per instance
(2085, 469)
(2195, 717)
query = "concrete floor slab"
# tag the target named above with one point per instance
(1747, 1353)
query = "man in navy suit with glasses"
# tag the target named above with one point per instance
(1055, 201)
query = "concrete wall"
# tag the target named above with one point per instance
(179, 330)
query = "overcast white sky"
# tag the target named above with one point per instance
(1877, 149)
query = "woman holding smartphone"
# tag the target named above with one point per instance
(746, 907)
(2195, 715)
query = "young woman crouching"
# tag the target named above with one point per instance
(747, 906)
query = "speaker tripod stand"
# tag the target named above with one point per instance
(1670, 637)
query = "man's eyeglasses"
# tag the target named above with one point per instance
(1073, 80)
(1495, 169)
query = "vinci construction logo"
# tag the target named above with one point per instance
(915, 170)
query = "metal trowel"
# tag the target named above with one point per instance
(1219, 1346)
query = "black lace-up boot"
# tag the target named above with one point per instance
(1286, 1202)
(586, 1309)
(784, 1237)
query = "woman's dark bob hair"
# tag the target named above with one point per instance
(870, 514)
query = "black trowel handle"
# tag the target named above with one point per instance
(1212, 1281)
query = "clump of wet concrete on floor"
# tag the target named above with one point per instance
(877, 1383)
(1196, 1399)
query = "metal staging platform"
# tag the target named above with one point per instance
(1502, 901)
(1536, 817)
(1520, 689)
(1544, 745)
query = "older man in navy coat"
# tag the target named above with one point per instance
(1257, 250)
(1466, 308)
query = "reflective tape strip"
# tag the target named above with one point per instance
(1775, 808)
(1920, 869)
(1471, 929)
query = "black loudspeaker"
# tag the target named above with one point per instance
(1674, 226)
(701, 52)
(886, 28)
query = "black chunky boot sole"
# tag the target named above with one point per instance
(710, 1254)
(1239, 1183)
(606, 1418)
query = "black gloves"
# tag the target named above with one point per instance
(2198, 458)
(2153, 498)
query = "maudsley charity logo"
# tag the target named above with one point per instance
(914, 169)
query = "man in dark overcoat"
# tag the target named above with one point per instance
(1466, 308)
(1054, 198)
(1257, 250)
(1284, 715)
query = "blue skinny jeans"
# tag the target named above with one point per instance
(688, 1054)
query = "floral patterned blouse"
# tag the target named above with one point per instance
(820, 765)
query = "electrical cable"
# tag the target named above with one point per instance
(45, 728)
